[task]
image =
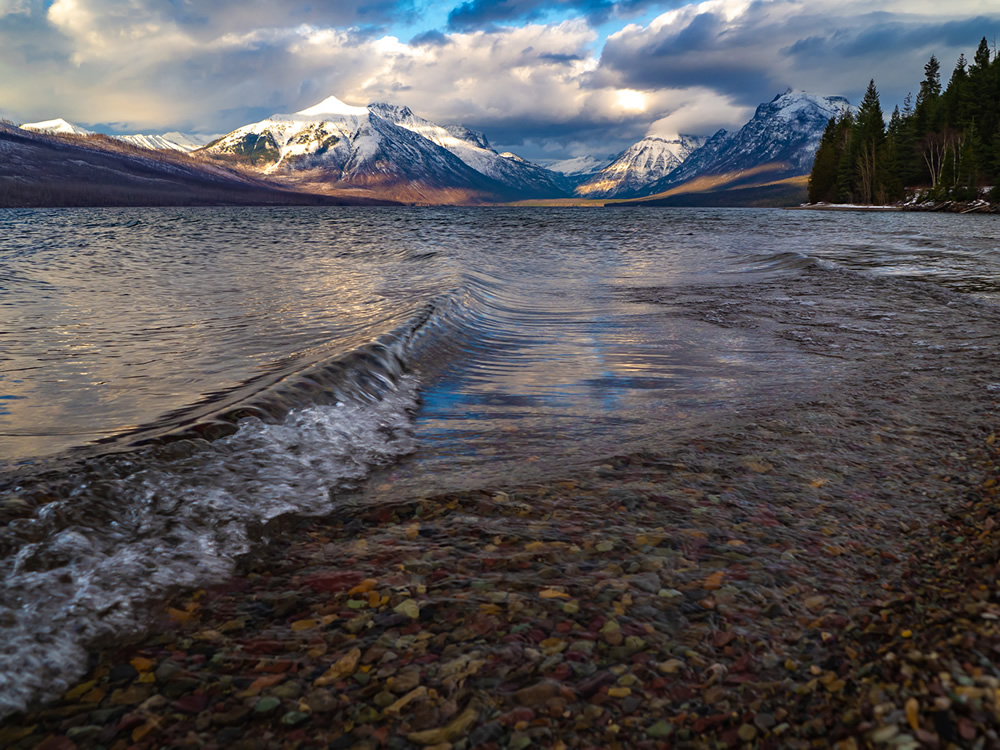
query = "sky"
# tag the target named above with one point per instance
(547, 79)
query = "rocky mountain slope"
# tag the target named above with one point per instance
(385, 148)
(782, 136)
(42, 169)
(170, 141)
(385, 151)
(639, 166)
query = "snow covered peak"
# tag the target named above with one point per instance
(798, 105)
(393, 112)
(782, 136)
(579, 166)
(58, 126)
(332, 106)
(639, 166)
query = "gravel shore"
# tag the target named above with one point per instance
(821, 574)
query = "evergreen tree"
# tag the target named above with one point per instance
(956, 101)
(823, 178)
(867, 141)
(926, 111)
(949, 140)
(930, 87)
(892, 183)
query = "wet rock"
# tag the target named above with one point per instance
(122, 672)
(486, 733)
(129, 696)
(660, 730)
(294, 718)
(167, 670)
(764, 721)
(266, 705)
(536, 695)
(455, 729)
(321, 701)
(648, 582)
(231, 717)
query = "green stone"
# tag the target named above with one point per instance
(287, 690)
(384, 699)
(660, 729)
(266, 705)
(294, 718)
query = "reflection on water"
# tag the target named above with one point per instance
(111, 319)
(508, 344)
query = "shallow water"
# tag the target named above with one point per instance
(441, 348)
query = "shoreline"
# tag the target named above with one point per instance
(954, 207)
(383, 647)
(840, 207)
(814, 572)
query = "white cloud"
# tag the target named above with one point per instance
(698, 111)
(158, 64)
(14, 7)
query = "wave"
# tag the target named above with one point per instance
(87, 548)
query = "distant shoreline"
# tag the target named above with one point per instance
(841, 207)
(948, 207)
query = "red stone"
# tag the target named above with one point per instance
(192, 704)
(334, 582)
(264, 647)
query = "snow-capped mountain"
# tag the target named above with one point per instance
(784, 132)
(57, 126)
(474, 149)
(579, 167)
(42, 169)
(639, 166)
(335, 144)
(169, 141)
(383, 145)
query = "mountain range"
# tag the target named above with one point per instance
(385, 151)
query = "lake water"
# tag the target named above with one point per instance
(172, 379)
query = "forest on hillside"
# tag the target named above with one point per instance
(946, 143)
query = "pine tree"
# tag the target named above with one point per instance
(930, 87)
(892, 183)
(957, 99)
(823, 178)
(869, 135)
(926, 112)
(949, 140)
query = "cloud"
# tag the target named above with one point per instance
(546, 86)
(698, 111)
(748, 50)
(483, 14)
(14, 7)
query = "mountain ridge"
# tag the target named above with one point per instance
(385, 150)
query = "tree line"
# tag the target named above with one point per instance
(946, 142)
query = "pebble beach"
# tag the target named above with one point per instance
(816, 576)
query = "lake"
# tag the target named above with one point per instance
(173, 379)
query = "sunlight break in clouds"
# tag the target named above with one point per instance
(555, 84)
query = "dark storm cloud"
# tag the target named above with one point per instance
(772, 45)
(477, 14)
(524, 136)
(704, 51)
(882, 37)
(432, 38)
(236, 16)
(559, 59)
